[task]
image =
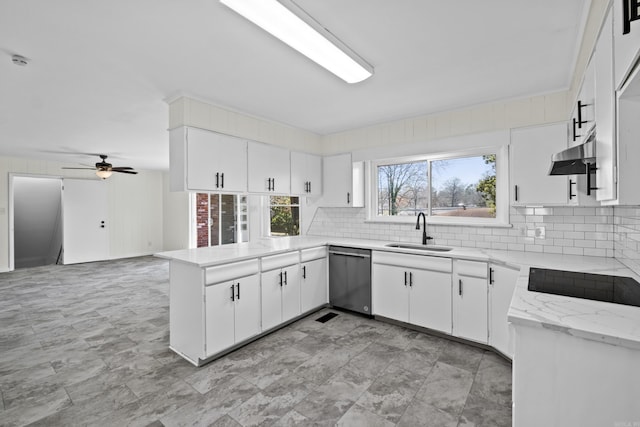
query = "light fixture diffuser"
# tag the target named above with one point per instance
(104, 173)
(292, 25)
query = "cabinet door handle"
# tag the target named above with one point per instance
(491, 276)
(238, 291)
(304, 271)
(348, 198)
(217, 180)
(410, 278)
(222, 180)
(590, 169)
(405, 278)
(281, 279)
(233, 294)
(571, 184)
(460, 287)
(515, 190)
(285, 277)
(309, 187)
(273, 184)
(575, 136)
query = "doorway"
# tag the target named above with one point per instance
(37, 221)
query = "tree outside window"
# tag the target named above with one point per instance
(285, 216)
(462, 187)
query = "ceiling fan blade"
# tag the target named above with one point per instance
(120, 168)
(121, 171)
(91, 169)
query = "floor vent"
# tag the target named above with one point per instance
(326, 317)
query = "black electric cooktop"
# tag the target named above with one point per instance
(598, 287)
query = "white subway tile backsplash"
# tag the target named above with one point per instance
(591, 231)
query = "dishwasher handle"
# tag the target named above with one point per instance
(349, 254)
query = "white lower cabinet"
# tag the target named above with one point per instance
(470, 300)
(232, 313)
(280, 289)
(313, 278)
(413, 289)
(502, 282)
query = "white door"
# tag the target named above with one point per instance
(269, 169)
(291, 293)
(85, 235)
(390, 295)
(430, 300)
(470, 308)
(272, 283)
(219, 311)
(247, 313)
(216, 162)
(314, 284)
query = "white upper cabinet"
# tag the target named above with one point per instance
(269, 169)
(605, 113)
(531, 150)
(306, 174)
(626, 36)
(583, 117)
(201, 160)
(342, 182)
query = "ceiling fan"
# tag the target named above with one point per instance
(104, 169)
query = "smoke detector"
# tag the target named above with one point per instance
(19, 60)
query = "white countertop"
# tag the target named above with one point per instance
(600, 321)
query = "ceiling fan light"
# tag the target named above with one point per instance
(103, 174)
(287, 22)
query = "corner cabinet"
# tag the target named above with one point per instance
(413, 289)
(470, 295)
(201, 160)
(502, 283)
(531, 149)
(342, 182)
(306, 174)
(269, 169)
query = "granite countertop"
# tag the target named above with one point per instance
(609, 323)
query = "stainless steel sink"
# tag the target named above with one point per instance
(419, 247)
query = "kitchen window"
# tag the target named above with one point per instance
(454, 188)
(284, 216)
(219, 219)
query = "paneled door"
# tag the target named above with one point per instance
(85, 236)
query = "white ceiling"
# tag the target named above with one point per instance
(101, 70)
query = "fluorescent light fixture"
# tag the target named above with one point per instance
(292, 25)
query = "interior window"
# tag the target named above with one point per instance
(284, 215)
(220, 219)
(463, 186)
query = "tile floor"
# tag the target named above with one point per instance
(88, 345)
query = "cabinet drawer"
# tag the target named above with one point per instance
(279, 261)
(232, 271)
(412, 261)
(313, 253)
(471, 268)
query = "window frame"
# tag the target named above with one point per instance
(268, 213)
(502, 188)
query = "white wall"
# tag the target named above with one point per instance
(176, 217)
(135, 206)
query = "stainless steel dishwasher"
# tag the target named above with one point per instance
(350, 279)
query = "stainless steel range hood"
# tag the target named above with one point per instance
(573, 161)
